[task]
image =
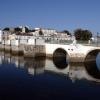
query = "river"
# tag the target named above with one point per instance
(45, 79)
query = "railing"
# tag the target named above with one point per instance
(86, 43)
(89, 43)
(58, 40)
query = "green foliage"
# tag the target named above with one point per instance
(17, 29)
(40, 32)
(67, 32)
(82, 34)
(27, 30)
(6, 29)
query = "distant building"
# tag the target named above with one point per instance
(63, 36)
(1, 36)
(46, 32)
(24, 34)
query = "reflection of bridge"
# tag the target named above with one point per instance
(75, 71)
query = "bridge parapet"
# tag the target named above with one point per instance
(75, 52)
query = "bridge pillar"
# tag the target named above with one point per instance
(76, 58)
(34, 51)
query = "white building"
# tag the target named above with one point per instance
(1, 36)
(46, 32)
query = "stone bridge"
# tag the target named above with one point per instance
(73, 52)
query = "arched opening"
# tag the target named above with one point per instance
(92, 55)
(92, 69)
(60, 58)
(92, 64)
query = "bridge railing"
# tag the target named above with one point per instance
(59, 41)
(70, 40)
(89, 43)
(86, 43)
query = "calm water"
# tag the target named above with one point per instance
(44, 79)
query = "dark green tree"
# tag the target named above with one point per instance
(81, 34)
(27, 30)
(6, 29)
(32, 30)
(17, 29)
(40, 32)
(67, 32)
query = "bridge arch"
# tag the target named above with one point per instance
(91, 55)
(60, 52)
(92, 69)
(60, 58)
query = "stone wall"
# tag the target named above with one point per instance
(34, 50)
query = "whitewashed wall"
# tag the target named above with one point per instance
(1, 35)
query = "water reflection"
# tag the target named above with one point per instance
(75, 71)
(98, 61)
(93, 67)
(60, 62)
(34, 66)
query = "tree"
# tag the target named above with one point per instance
(32, 30)
(67, 32)
(40, 32)
(81, 34)
(6, 29)
(17, 29)
(26, 29)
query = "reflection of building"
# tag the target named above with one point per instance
(75, 71)
(7, 57)
(35, 71)
(34, 66)
(51, 67)
(18, 61)
(1, 57)
(31, 65)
